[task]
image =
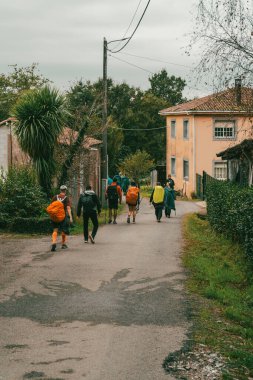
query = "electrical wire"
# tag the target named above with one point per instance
(131, 64)
(141, 129)
(148, 71)
(129, 39)
(129, 24)
(157, 60)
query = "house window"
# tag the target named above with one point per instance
(173, 166)
(173, 129)
(186, 170)
(220, 170)
(186, 129)
(224, 129)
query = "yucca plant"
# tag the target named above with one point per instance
(41, 114)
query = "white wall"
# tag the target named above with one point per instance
(4, 131)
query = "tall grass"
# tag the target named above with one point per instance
(220, 276)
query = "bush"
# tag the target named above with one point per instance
(31, 225)
(20, 194)
(22, 203)
(229, 211)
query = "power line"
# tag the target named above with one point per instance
(141, 129)
(131, 64)
(148, 71)
(158, 60)
(129, 24)
(129, 39)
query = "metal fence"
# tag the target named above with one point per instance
(201, 184)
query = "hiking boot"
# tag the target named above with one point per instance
(53, 247)
(114, 222)
(64, 246)
(109, 221)
(91, 239)
(128, 219)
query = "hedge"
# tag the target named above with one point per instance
(27, 225)
(230, 211)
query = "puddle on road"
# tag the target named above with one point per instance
(156, 302)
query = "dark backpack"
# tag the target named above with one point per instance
(87, 202)
(112, 193)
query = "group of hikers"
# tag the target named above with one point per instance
(89, 205)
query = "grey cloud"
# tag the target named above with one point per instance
(65, 37)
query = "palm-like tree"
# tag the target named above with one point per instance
(41, 114)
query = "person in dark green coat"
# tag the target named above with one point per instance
(169, 200)
(125, 184)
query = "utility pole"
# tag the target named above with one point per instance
(104, 158)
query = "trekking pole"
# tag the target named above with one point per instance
(138, 208)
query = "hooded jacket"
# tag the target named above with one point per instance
(94, 206)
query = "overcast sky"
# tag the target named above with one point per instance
(66, 38)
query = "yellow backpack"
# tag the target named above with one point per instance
(158, 195)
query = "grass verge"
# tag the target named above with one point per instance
(146, 191)
(221, 279)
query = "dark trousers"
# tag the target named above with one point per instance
(167, 211)
(94, 218)
(158, 212)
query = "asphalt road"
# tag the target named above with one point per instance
(109, 311)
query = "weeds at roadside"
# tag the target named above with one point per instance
(221, 278)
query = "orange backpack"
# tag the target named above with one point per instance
(56, 210)
(132, 196)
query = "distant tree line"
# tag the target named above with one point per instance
(42, 112)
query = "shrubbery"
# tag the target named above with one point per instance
(22, 203)
(31, 225)
(229, 210)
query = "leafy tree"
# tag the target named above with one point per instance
(132, 113)
(85, 98)
(12, 85)
(41, 114)
(73, 151)
(167, 87)
(137, 165)
(146, 126)
(115, 140)
(223, 34)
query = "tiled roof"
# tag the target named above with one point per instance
(4, 122)
(246, 146)
(224, 101)
(68, 136)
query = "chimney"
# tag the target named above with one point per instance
(238, 91)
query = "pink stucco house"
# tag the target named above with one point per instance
(199, 129)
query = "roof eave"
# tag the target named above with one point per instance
(193, 112)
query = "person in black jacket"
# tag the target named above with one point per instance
(90, 204)
(171, 182)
